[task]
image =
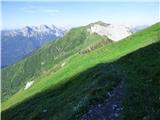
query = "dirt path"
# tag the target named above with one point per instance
(111, 108)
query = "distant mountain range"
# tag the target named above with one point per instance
(16, 44)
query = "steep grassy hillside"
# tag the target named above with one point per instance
(66, 93)
(16, 76)
(142, 92)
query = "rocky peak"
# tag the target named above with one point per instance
(113, 32)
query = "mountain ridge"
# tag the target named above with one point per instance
(46, 57)
(17, 43)
(112, 31)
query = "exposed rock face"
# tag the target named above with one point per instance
(113, 32)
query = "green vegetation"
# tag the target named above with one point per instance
(84, 80)
(47, 58)
(142, 94)
(68, 100)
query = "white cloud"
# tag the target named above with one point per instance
(40, 9)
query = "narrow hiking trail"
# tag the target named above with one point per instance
(111, 108)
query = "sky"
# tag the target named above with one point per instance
(17, 14)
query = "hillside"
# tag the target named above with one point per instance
(142, 91)
(136, 96)
(83, 80)
(18, 43)
(48, 58)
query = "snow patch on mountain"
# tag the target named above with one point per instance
(35, 31)
(113, 32)
(28, 85)
(63, 64)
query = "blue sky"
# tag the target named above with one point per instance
(19, 14)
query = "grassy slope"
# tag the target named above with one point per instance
(74, 65)
(66, 101)
(16, 76)
(142, 92)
